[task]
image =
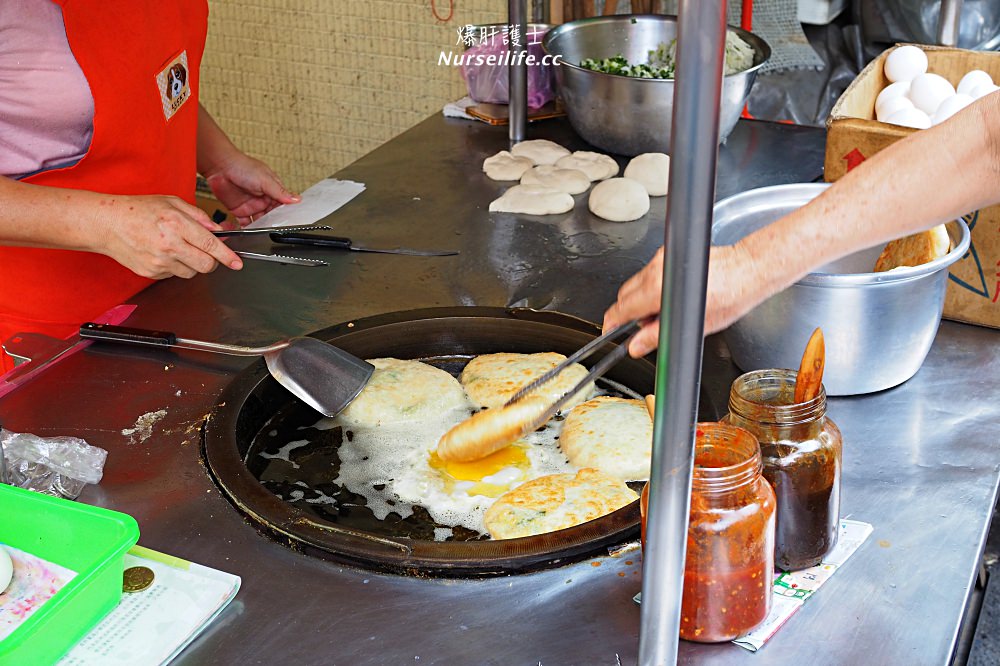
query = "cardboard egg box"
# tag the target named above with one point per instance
(854, 135)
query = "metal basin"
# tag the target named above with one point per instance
(626, 115)
(878, 327)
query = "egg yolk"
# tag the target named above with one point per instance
(477, 470)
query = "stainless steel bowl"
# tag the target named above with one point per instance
(878, 327)
(626, 115)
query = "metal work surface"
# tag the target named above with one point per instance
(920, 459)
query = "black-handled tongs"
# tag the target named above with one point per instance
(629, 329)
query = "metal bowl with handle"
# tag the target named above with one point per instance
(627, 115)
(878, 326)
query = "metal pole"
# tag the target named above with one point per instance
(695, 140)
(949, 22)
(517, 107)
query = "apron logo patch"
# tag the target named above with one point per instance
(173, 83)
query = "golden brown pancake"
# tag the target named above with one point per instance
(491, 379)
(914, 250)
(613, 435)
(555, 502)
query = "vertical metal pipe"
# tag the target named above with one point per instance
(517, 108)
(540, 11)
(694, 153)
(949, 22)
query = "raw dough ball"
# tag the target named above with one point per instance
(570, 181)
(973, 80)
(595, 165)
(540, 151)
(504, 166)
(532, 200)
(927, 91)
(652, 170)
(905, 63)
(619, 200)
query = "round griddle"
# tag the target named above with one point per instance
(249, 404)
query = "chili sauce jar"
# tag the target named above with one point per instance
(802, 451)
(729, 568)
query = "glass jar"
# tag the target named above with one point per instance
(801, 449)
(729, 569)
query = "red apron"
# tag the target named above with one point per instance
(128, 50)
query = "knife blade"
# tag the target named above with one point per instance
(283, 259)
(266, 230)
(343, 243)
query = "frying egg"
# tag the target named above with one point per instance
(905, 63)
(6, 569)
(396, 469)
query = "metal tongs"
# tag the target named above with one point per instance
(629, 329)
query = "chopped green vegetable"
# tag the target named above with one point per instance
(662, 60)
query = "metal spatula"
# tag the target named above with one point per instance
(322, 376)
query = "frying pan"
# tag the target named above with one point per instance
(249, 405)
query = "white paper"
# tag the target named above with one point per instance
(151, 627)
(318, 201)
(457, 108)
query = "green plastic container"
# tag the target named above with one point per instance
(86, 539)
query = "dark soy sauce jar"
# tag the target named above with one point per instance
(801, 449)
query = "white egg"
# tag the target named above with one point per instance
(983, 90)
(910, 118)
(905, 63)
(891, 92)
(891, 106)
(6, 569)
(927, 91)
(950, 107)
(972, 80)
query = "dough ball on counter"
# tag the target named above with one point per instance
(652, 170)
(532, 200)
(540, 151)
(570, 181)
(505, 166)
(613, 435)
(595, 165)
(619, 200)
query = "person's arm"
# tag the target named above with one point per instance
(244, 185)
(930, 177)
(154, 236)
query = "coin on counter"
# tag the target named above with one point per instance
(137, 579)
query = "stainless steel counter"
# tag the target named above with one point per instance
(920, 460)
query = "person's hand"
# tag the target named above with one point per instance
(730, 294)
(247, 187)
(162, 236)
(639, 298)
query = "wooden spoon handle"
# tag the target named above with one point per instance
(810, 377)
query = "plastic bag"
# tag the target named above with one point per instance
(58, 466)
(489, 82)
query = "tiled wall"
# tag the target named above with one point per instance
(311, 85)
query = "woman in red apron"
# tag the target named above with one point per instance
(97, 232)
